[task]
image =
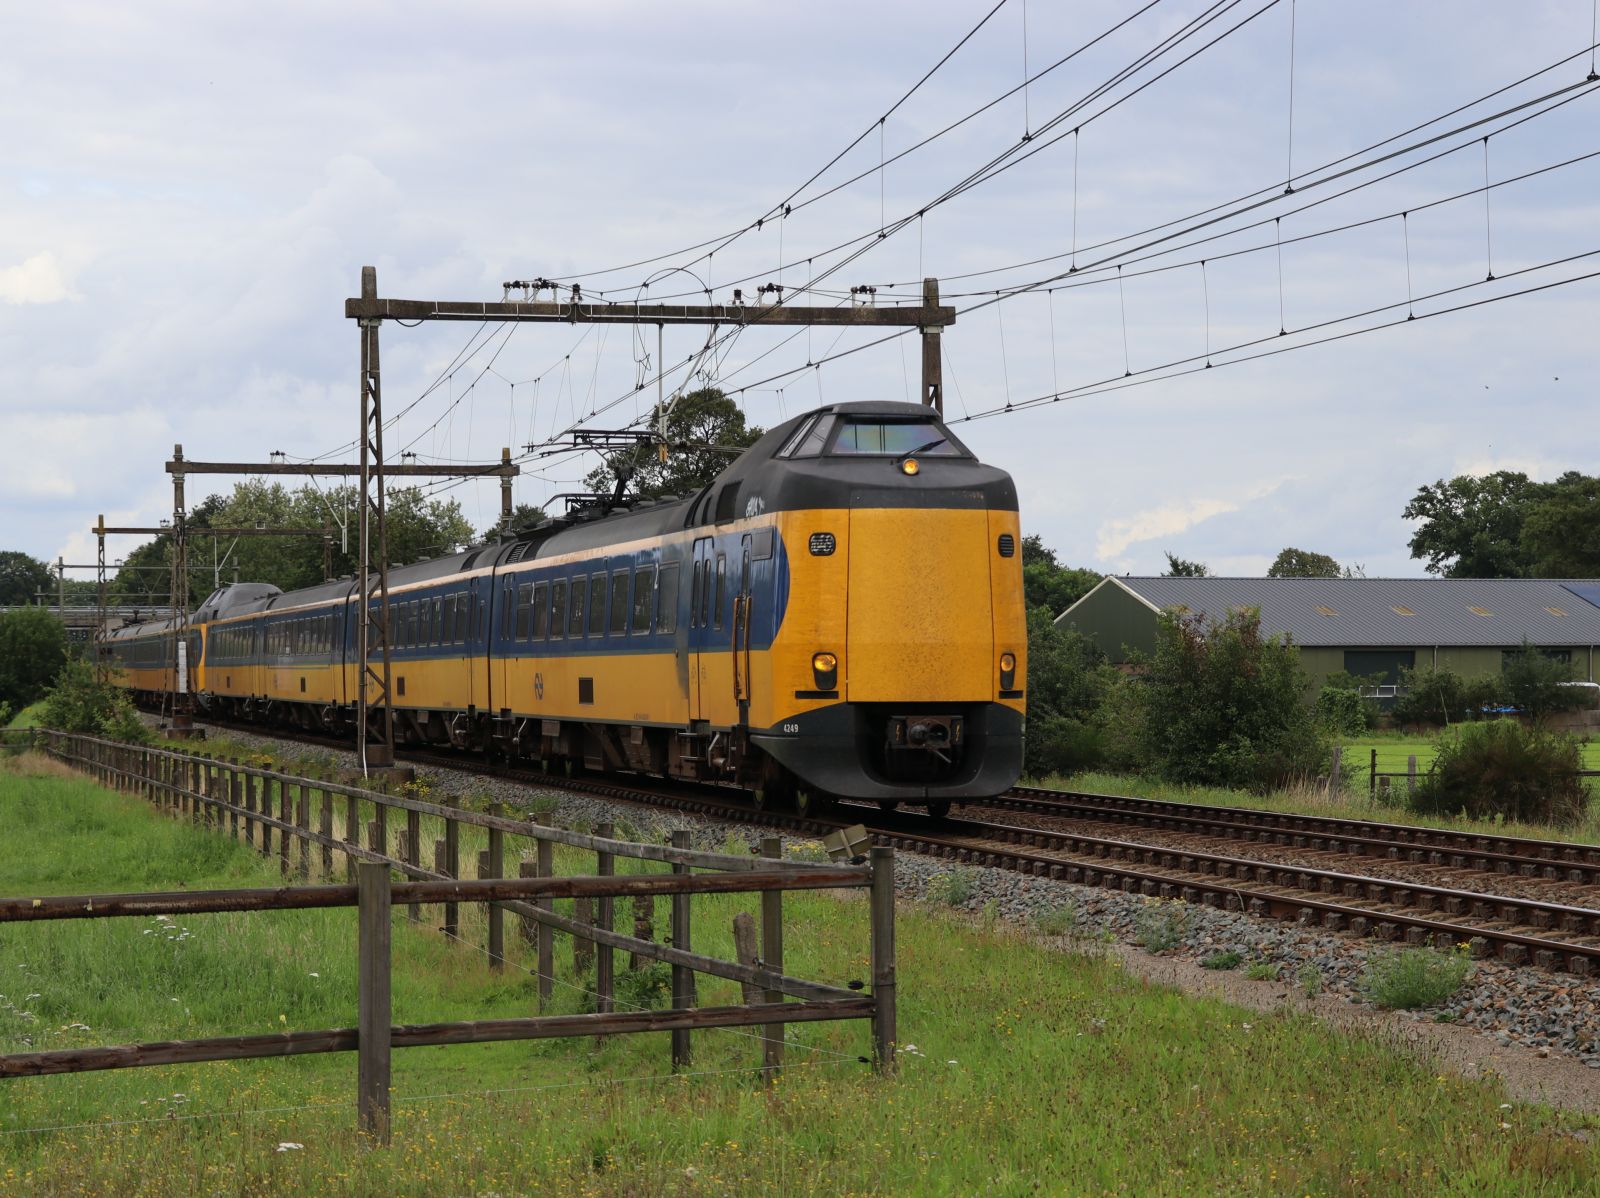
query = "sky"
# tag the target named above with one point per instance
(189, 192)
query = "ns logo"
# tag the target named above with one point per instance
(538, 686)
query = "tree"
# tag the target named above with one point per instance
(1227, 706)
(22, 577)
(523, 516)
(1047, 583)
(1473, 527)
(1561, 531)
(705, 431)
(1177, 567)
(418, 527)
(1064, 690)
(33, 648)
(1302, 563)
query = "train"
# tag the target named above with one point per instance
(838, 614)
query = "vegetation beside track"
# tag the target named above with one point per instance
(1026, 1069)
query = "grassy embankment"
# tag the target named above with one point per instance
(1035, 1070)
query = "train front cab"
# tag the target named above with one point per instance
(899, 669)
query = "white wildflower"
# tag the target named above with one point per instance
(289, 1146)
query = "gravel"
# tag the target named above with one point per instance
(1550, 1013)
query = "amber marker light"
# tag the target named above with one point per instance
(910, 466)
(825, 667)
(1008, 671)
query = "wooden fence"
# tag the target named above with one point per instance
(262, 806)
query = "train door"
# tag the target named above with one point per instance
(699, 623)
(477, 638)
(740, 633)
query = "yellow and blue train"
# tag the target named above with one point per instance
(840, 613)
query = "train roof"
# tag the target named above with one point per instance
(761, 479)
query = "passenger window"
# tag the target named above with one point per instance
(619, 603)
(541, 610)
(506, 603)
(694, 594)
(744, 572)
(449, 633)
(667, 599)
(643, 592)
(524, 609)
(558, 613)
(438, 622)
(597, 605)
(575, 621)
(722, 585)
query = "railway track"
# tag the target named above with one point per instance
(1516, 930)
(1548, 859)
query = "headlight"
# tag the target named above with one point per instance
(825, 668)
(1008, 671)
(910, 466)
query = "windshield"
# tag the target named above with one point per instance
(875, 435)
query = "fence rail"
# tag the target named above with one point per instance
(255, 804)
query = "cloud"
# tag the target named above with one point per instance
(1170, 519)
(37, 281)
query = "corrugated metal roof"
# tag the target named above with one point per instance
(1395, 611)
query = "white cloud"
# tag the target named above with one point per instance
(1170, 519)
(39, 280)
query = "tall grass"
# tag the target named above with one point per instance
(1022, 1070)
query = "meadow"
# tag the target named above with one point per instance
(1029, 1064)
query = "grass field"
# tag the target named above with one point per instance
(1025, 1069)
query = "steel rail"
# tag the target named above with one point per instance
(1486, 852)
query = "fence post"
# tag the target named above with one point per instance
(682, 975)
(772, 958)
(1372, 776)
(372, 1025)
(286, 814)
(605, 959)
(883, 983)
(1411, 774)
(582, 948)
(497, 913)
(452, 867)
(378, 829)
(325, 826)
(352, 834)
(249, 803)
(413, 856)
(302, 837)
(546, 857)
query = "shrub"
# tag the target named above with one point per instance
(1342, 711)
(1432, 697)
(952, 889)
(1532, 683)
(1225, 706)
(33, 648)
(1309, 979)
(1223, 960)
(1057, 921)
(1064, 688)
(1416, 977)
(1503, 768)
(79, 702)
(1160, 926)
(1261, 971)
(1121, 719)
(647, 988)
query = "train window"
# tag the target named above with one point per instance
(694, 594)
(667, 599)
(810, 443)
(761, 541)
(722, 585)
(597, 605)
(436, 632)
(876, 435)
(619, 603)
(507, 605)
(524, 609)
(744, 570)
(449, 633)
(464, 626)
(643, 593)
(558, 609)
(579, 593)
(541, 610)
